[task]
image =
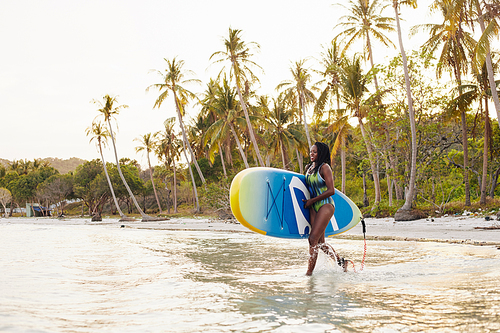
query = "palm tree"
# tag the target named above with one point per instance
(411, 112)
(109, 110)
(471, 93)
(297, 89)
(341, 127)
(225, 107)
(363, 21)
(483, 49)
(172, 81)
(331, 64)
(456, 45)
(354, 83)
(168, 149)
(147, 144)
(100, 134)
(238, 53)
(277, 118)
(208, 114)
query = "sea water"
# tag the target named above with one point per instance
(91, 278)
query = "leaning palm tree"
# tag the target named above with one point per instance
(108, 109)
(147, 144)
(354, 86)
(411, 112)
(172, 81)
(364, 21)
(238, 53)
(456, 46)
(100, 134)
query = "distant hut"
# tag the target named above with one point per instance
(36, 210)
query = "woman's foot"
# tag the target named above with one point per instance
(342, 263)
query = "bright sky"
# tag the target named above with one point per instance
(59, 55)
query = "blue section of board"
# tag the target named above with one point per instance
(269, 201)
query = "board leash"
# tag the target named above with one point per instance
(364, 250)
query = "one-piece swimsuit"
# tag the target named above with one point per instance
(317, 186)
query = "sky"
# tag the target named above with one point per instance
(60, 55)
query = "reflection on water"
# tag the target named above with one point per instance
(80, 278)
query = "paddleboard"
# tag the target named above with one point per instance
(269, 201)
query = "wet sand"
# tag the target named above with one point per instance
(450, 229)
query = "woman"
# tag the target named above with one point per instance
(319, 179)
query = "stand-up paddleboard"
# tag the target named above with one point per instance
(269, 201)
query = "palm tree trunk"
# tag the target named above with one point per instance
(464, 142)
(489, 65)
(123, 216)
(482, 201)
(372, 164)
(282, 154)
(175, 187)
(153, 183)
(222, 160)
(195, 191)
(249, 124)
(366, 202)
(242, 153)
(299, 161)
(184, 139)
(144, 216)
(388, 165)
(343, 164)
(301, 104)
(411, 112)
(184, 144)
(389, 181)
(368, 43)
(466, 158)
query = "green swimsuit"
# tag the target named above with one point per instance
(317, 186)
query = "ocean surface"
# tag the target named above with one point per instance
(75, 277)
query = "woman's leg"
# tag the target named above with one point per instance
(319, 221)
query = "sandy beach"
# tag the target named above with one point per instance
(450, 229)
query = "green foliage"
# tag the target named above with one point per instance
(211, 173)
(90, 184)
(216, 196)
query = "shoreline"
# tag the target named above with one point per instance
(451, 229)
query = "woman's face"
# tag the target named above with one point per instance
(313, 153)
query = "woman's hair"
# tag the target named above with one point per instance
(323, 156)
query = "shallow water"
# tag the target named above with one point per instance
(88, 278)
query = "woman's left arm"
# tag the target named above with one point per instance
(327, 174)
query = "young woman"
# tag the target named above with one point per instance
(319, 179)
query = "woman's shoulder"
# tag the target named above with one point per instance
(325, 167)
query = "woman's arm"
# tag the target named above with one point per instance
(326, 173)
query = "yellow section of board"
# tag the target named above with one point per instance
(234, 198)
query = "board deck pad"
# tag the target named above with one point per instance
(269, 201)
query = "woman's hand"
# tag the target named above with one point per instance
(307, 203)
